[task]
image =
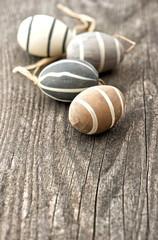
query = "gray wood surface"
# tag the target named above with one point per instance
(56, 183)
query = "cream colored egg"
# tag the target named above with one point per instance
(44, 36)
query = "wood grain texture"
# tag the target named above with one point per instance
(56, 183)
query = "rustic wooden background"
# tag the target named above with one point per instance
(56, 183)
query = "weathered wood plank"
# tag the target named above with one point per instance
(56, 183)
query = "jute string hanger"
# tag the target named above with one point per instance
(88, 23)
(127, 40)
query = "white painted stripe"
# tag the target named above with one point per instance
(61, 74)
(111, 107)
(119, 95)
(102, 51)
(54, 97)
(81, 48)
(92, 113)
(70, 61)
(64, 90)
(117, 50)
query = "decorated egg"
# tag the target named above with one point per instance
(43, 36)
(103, 51)
(96, 109)
(64, 79)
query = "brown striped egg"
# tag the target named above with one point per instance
(103, 51)
(96, 109)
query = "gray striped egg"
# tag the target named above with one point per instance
(43, 36)
(64, 79)
(96, 109)
(103, 51)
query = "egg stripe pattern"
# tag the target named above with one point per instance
(71, 61)
(63, 90)
(119, 95)
(61, 74)
(65, 38)
(28, 36)
(92, 113)
(44, 36)
(50, 36)
(102, 51)
(40, 32)
(66, 78)
(110, 105)
(58, 37)
(84, 119)
(118, 51)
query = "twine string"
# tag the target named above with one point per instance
(87, 21)
(36, 67)
(127, 40)
(79, 28)
(101, 82)
(42, 62)
(26, 73)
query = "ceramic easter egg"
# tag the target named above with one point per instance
(43, 36)
(64, 79)
(96, 109)
(103, 51)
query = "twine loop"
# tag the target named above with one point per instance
(127, 40)
(26, 73)
(88, 23)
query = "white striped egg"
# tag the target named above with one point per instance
(43, 36)
(103, 51)
(96, 109)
